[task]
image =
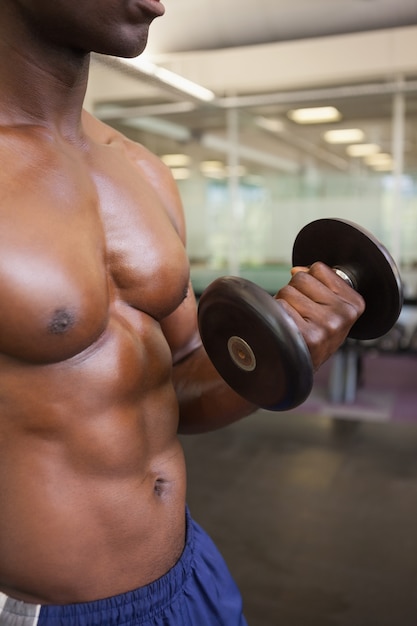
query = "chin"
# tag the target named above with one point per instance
(128, 45)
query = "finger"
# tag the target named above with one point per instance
(305, 289)
(323, 307)
(317, 303)
(327, 277)
(298, 268)
(324, 327)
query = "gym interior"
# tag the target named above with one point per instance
(270, 116)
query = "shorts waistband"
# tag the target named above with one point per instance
(123, 608)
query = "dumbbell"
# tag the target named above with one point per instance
(256, 346)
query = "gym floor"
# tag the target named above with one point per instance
(315, 515)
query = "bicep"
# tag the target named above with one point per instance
(181, 328)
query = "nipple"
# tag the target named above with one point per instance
(61, 321)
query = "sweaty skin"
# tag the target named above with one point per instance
(101, 363)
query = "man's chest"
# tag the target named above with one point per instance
(73, 238)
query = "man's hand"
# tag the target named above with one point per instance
(323, 306)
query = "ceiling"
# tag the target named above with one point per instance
(280, 54)
(190, 25)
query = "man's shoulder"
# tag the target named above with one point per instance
(154, 171)
(101, 133)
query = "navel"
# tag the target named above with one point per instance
(159, 487)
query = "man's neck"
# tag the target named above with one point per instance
(42, 86)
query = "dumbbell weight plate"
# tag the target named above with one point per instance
(357, 252)
(254, 344)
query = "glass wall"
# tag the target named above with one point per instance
(251, 176)
(243, 215)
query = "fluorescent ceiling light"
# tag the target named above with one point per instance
(270, 124)
(383, 167)
(219, 175)
(362, 149)
(170, 78)
(213, 169)
(380, 158)
(314, 115)
(180, 173)
(176, 160)
(210, 166)
(217, 169)
(344, 135)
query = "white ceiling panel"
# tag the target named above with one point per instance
(210, 24)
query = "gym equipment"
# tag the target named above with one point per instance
(256, 346)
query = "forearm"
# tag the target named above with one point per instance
(322, 306)
(206, 402)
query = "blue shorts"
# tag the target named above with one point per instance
(197, 591)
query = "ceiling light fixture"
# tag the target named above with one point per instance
(180, 173)
(314, 115)
(384, 167)
(270, 124)
(380, 158)
(362, 149)
(213, 169)
(344, 135)
(176, 160)
(169, 78)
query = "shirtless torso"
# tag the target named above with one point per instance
(100, 359)
(92, 493)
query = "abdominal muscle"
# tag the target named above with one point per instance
(92, 476)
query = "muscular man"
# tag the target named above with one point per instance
(100, 359)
